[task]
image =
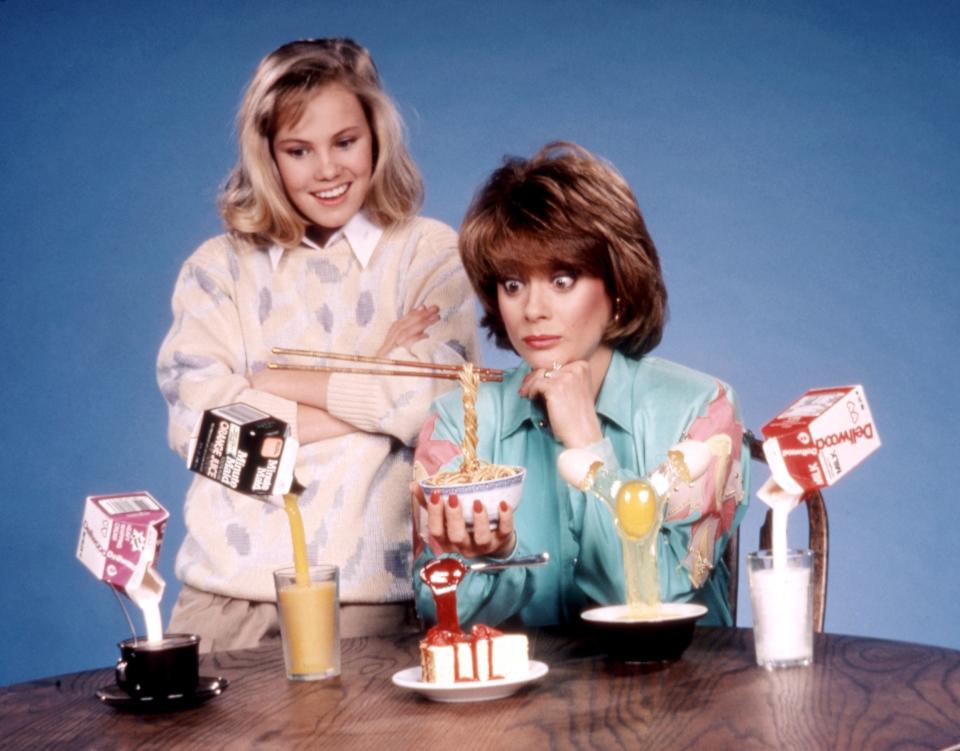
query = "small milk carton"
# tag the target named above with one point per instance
(245, 449)
(120, 537)
(819, 438)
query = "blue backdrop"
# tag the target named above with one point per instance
(797, 164)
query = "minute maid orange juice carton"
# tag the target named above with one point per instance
(245, 449)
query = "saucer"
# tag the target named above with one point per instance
(468, 690)
(206, 689)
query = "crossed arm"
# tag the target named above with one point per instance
(309, 389)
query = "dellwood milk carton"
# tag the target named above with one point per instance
(245, 449)
(819, 438)
(120, 537)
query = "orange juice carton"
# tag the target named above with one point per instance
(120, 537)
(819, 438)
(245, 449)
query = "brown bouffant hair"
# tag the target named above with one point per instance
(565, 208)
(253, 203)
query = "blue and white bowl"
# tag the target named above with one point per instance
(489, 492)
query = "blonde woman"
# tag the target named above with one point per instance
(324, 250)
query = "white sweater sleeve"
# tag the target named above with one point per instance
(202, 363)
(430, 273)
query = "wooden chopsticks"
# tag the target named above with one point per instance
(413, 367)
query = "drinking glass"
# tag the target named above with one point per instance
(782, 599)
(310, 622)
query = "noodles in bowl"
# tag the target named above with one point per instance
(490, 492)
(475, 479)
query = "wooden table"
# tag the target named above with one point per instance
(860, 694)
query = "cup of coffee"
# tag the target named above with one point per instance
(167, 668)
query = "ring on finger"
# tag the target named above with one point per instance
(548, 373)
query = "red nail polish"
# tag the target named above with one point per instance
(503, 506)
(453, 501)
(435, 497)
(477, 507)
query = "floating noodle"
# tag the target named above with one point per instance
(472, 469)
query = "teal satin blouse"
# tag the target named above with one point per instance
(645, 407)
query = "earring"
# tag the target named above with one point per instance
(616, 310)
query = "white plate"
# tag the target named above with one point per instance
(468, 690)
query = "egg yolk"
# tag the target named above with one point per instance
(636, 508)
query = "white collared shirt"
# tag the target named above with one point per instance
(361, 234)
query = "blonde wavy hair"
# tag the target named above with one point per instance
(253, 202)
(565, 208)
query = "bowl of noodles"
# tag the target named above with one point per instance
(475, 479)
(490, 484)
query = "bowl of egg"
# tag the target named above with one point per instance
(659, 633)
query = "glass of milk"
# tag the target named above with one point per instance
(781, 594)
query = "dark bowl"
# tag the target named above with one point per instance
(662, 638)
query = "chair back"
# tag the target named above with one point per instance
(819, 539)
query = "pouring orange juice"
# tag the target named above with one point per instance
(307, 604)
(254, 453)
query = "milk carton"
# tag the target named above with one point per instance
(819, 438)
(120, 537)
(245, 449)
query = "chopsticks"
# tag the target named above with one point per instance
(414, 367)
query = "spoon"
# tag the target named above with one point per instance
(525, 560)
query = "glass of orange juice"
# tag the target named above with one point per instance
(309, 621)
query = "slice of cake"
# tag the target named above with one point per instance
(485, 654)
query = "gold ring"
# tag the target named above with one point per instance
(548, 374)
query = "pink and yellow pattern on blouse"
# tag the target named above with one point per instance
(429, 457)
(714, 496)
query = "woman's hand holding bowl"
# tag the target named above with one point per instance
(447, 529)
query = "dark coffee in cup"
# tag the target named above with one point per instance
(165, 668)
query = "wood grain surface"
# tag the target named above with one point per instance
(860, 694)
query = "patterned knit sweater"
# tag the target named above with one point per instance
(232, 304)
